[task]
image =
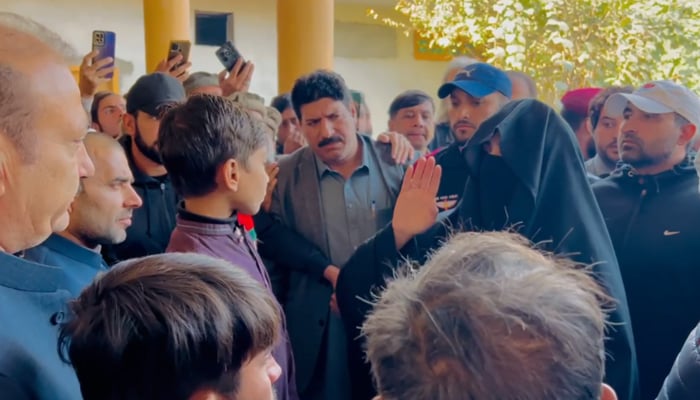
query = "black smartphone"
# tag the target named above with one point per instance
(228, 55)
(179, 47)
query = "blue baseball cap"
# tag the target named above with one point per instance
(479, 80)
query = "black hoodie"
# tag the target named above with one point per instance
(153, 222)
(654, 223)
(538, 187)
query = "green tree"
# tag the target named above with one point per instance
(566, 44)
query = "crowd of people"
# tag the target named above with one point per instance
(187, 241)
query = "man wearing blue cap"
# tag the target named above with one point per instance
(479, 91)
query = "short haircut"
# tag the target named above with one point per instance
(318, 85)
(165, 326)
(409, 98)
(595, 107)
(529, 82)
(282, 102)
(197, 137)
(95, 106)
(489, 317)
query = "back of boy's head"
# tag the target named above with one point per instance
(197, 137)
(166, 327)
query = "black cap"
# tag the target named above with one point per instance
(152, 91)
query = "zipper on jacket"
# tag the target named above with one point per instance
(634, 215)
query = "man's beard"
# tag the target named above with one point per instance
(151, 152)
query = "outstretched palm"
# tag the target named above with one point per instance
(415, 209)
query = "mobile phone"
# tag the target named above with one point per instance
(228, 55)
(179, 47)
(105, 43)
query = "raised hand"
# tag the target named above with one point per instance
(416, 209)
(93, 73)
(173, 68)
(238, 79)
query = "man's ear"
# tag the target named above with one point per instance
(607, 393)
(688, 131)
(129, 124)
(228, 174)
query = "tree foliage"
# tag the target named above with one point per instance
(567, 44)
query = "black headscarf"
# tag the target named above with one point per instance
(537, 187)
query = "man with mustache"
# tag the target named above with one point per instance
(336, 192)
(606, 130)
(99, 215)
(476, 93)
(412, 114)
(651, 206)
(153, 223)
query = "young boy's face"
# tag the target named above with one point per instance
(253, 182)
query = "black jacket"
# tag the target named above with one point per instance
(654, 225)
(683, 383)
(547, 199)
(153, 222)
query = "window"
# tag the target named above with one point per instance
(212, 29)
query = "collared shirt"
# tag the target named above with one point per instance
(353, 209)
(79, 264)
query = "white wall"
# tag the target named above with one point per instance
(381, 79)
(74, 20)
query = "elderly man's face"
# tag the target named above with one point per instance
(39, 190)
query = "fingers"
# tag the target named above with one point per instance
(237, 67)
(222, 76)
(102, 73)
(420, 169)
(384, 138)
(406, 184)
(247, 71)
(171, 63)
(434, 183)
(87, 60)
(103, 62)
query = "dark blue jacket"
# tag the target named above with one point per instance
(32, 304)
(683, 383)
(653, 223)
(79, 264)
(153, 222)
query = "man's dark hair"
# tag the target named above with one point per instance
(409, 98)
(595, 107)
(282, 102)
(166, 326)
(489, 317)
(17, 112)
(95, 107)
(318, 85)
(197, 137)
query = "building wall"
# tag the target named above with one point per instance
(380, 78)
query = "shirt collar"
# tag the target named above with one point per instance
(70, 249)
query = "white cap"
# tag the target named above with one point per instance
(659, 97)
